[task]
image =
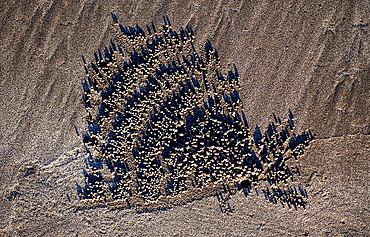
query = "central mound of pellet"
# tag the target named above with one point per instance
(166, 126)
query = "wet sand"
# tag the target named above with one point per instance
(310, 57)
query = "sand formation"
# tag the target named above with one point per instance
(166, 126)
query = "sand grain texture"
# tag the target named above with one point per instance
(307, 56)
